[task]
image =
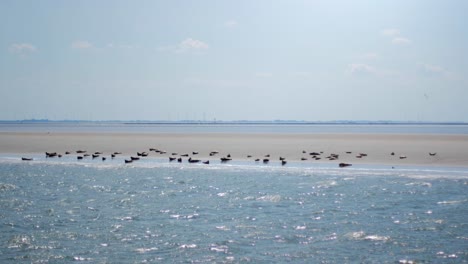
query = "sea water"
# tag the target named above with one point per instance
(60, 211)
(119, 127)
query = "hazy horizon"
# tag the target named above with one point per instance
(209, 122)
(244, 60)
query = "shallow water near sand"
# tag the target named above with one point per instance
(154, 211)
(119, 127)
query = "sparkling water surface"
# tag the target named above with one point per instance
(160, 212)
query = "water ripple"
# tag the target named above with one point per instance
(64, 213)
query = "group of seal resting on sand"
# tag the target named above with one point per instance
(266, 159)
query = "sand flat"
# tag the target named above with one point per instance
(452, 150)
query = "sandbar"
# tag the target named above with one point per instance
(408, 149)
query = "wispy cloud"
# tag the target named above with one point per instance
(216, 83)
(433, 68)
(188, 45)
(231, 23)
(191, 44)
(395, 36)
(81, 44)
(370, 55)
(401, 41)
(390, 32)
(22, 48)
(364, 69)
(300, 74)
(437, 70)
(360, 68)
(121, 46)
(263, 74)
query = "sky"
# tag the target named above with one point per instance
(234, 60)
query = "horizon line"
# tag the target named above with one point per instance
(275, 121)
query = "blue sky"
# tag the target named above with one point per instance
(234, 60)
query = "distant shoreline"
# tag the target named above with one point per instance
(235, 127)
(220, 122)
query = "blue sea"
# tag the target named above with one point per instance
(153, 211)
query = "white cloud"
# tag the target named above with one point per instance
(121, 46)
(391, 32)
(190, 44)
(22, 48)
(437, 70)
(401, 41)
(231, 23)
(216, 83)
(358, 68)
(433, 68)
(370, 55)
(263, 74)
(81, 44)
(396, 37)
(185, 46)
(301, 74)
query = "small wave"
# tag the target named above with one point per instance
(361, 235)
(423, 184)
(116, 228)
(452, 202)
(77, 258)
(188, 246)
(406, 261)
(376, 238)
(444, 255)
(127, 218)
(190, 216)
(20, 241)
(219, 248)
(270, 198)
(327, 184)
(145, 250)
(355, 235)
(7, 187)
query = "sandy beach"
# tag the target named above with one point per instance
(410, 149)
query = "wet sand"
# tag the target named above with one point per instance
(451, 150)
